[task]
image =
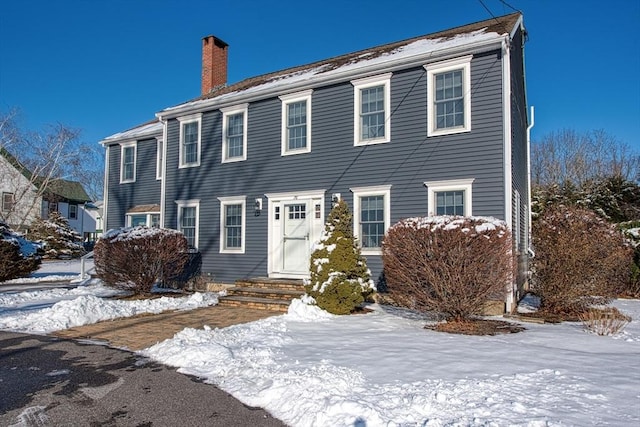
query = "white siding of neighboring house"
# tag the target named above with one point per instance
(27, 206)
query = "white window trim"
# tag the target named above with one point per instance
(463, 63)
(230, 111)
(189, 204)
(76, 211)
(290, 99)
(183, 121)
(159, 154)
(235, 200)
(358, 192)
(367, 82)
(124, 146)
(465, 185)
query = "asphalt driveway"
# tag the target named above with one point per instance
(48, 381)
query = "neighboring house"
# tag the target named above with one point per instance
(21, 200)
(432, 125)
(24, 199)
(72, 201)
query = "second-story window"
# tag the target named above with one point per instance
(190, 140)
(234, 133)
(128, 162)
(372, 118)
(73, 211)
(296, 123)
(449, 96)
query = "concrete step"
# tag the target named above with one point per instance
(256, 303)
(266, 282)
(281, 294)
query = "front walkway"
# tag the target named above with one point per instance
(136, 333)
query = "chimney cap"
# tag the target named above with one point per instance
(219, 42)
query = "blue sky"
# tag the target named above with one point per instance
(106, 66)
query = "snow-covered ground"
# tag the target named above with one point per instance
(309, 368)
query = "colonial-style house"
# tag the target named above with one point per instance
(26, 197)
(432, 125)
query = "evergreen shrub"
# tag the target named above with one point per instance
(134, 259)
(451, 265)
(18, 256)
(58, 238)
(339, 278)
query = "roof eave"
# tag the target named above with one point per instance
(337, 77)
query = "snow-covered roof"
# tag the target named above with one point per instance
(150, 128)
(365, 61)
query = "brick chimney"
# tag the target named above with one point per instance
(214, 64)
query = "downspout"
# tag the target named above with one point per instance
(163, 182)
(532, 254)
(105, 192)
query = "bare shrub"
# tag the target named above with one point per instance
(581, 260)
(134, 259)
(604, 321)
(452, 265)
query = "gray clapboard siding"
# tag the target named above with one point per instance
(145, 189)
(335, 165)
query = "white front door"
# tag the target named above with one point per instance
(295, 237)
(296, 221)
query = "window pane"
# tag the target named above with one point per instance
(188, 224)
(297, 125)
(233, 226)
(372, 113)
(235, 135)
(450, 203)
(372, 221)
(190, 143)
(128, 158)
(137, 220)
(449, 100)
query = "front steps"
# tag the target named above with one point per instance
(263, 293)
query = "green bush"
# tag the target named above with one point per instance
(448, 264)
(18, 256)
(58, 238)
(339, 278)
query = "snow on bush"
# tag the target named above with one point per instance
(136, 258)
(339, 277)
(59, 240)
(18, 256)
(449, 264)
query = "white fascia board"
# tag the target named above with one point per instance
(320, 80)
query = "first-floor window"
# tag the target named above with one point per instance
(143, 219)
(138, 220)
(232, 224)
(73, 211)
(372, 221)
(188, 220)
(451, 197)
(155, 220)
(7, 202)
(450, 202)
(371, 216)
